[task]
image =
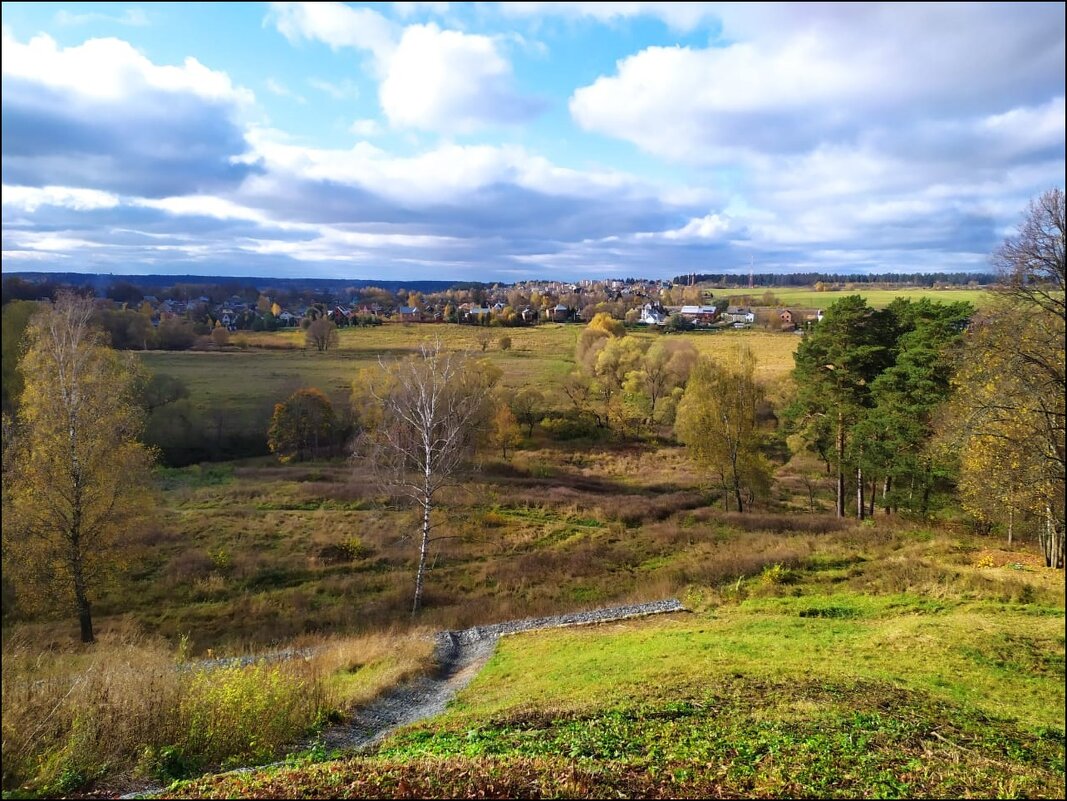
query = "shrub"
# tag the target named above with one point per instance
(565, 428)
(343, 552)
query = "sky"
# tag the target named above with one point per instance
(537, 140)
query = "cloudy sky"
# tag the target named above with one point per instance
(523, 140)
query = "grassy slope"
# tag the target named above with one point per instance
(807, 687)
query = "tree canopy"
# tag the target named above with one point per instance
(78, 476)
(303, 426)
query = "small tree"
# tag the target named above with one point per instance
(321, 335)
(431, 408)
(220, 336)
(504, 429)
(504, 342)
(304, 424)
(527, 405)
(78, 481)
(717, 422)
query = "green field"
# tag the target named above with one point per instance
(232, 393)
(806, 297)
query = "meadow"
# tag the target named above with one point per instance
(821, 657)
(889, 663)
(806, 297)
(809, 636)
(232, 393)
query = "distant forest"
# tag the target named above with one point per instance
(37, 285)
(810, 279)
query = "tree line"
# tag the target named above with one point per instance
(740, 279)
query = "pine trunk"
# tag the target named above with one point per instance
(861, 509)
(840, 465)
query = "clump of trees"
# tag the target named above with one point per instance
(621, 381)
(303, 426)
(76, 479)
(869, 385)
(1006, 418)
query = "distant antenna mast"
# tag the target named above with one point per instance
(751, 275)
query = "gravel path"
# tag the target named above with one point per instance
(459, 656)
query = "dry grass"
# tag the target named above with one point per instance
(126, 708)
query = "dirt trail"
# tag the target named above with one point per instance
(459, 655)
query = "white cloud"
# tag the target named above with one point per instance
(336, 24)
(366, 127)
(710, 226)
(276, 87)
(442, 80)
(447, 173)
(338, 90)
(109, 69)
(101, 115)
(406, 10)
(431, 79)
(818, 75)
(30, 198)
(132, 17)
(202, 205)
(679, 16)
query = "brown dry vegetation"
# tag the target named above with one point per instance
(130, 710)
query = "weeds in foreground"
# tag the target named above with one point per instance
(128, 708)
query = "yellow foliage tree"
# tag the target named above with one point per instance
(717, 421)
(504, 429)
(1006, 422)
(78, 480)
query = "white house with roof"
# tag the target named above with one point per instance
(652, 315)
(739, 315)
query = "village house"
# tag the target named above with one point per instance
(652, 314)
(740, 316)
(701, 315)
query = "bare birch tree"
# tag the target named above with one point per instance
(431, 409)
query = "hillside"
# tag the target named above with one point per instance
(790, 688)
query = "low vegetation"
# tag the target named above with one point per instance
(133, 710)
(896, 667)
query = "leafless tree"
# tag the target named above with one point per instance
(432, 407)
(1031, 264)
(322, 335)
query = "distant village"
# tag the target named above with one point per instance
(192, 315)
